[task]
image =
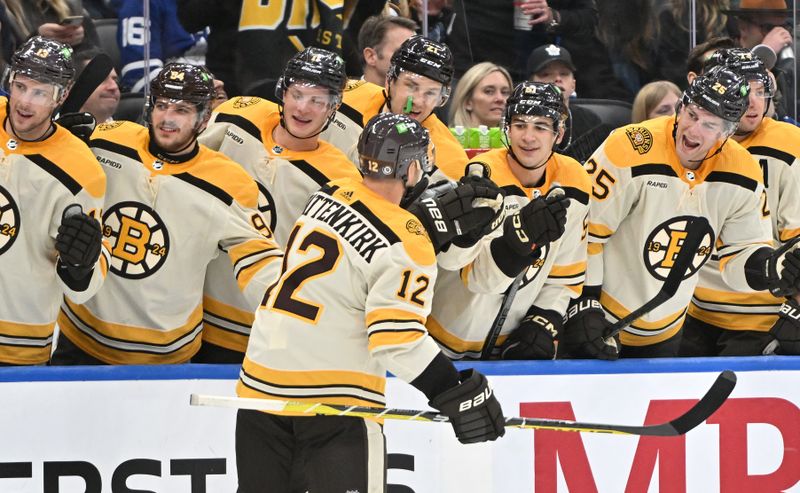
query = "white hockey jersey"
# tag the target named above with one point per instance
(166, 221)
(470, 291)
(241, 128)
(351, 303)
(776, 147)
(38, 180)
(361, 101)
(641, 197)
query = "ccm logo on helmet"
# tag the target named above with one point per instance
(475, 401)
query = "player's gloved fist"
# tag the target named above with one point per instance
(790, 274)
(78, 243)
(474, 412)
(487, 212)
(80, 124)
(540, 222)
(584, 334)
(786, 330)
(535, 337)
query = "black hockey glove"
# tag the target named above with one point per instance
(78, 242)
(474, 412)
(763, 266)
(541, 221)
(535, 337)
(585, 326)
(80, 124)
(786, 330)
(466, 209)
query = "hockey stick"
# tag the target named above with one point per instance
(708, 404)
(90, 79)
(696, 230)
(508, 298)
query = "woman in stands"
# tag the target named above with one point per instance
(655, 99)
(480, 96)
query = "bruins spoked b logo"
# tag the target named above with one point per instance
(138, 237)
(664, 244)
(9, 220)
(535, 268)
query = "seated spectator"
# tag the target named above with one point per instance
(62, 20)
(168, 41)
(584, 129)
(480, 96)
(658, 98)
(378, 39)
(103, 102)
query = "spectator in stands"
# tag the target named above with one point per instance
(657, 98)
(627, 30)
(168, 41)
(47, 18)
(103, 102)
(378, 39)
(584, 129)
(672, 43)
(480, 97)
(12, 30)
(222, 20)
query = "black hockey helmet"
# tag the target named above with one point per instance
(44, 60)
(317, 66)
(536, 98)
(744, 63)
(721, 92)
(183, 81)
(425, 57)
(390, 143)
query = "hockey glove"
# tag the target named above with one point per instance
(78, 242)
(474, 412)
(787, 329)
(80, 124)
(535, 337)
(469, 207)
(585, 326)
(541, 221)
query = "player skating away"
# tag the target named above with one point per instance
(722, 321)
(648, 179)
(172, 206)
(418, 81)
(279, 146)
(48, 246)
(351, 303)
(541, 239)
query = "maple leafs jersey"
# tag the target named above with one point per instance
(350, 304)
(776, 147)
(38, 180)
(166, 221)
(471, 282)
(641, 197)
(241, 128)
(361, 101)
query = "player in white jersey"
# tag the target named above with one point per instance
(418, 81)
(172, 206)
(540, 250)
(279, 146)
(721, 321)
(49, 247)
(650, 179)
(350, 304)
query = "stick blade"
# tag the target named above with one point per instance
(708, 404)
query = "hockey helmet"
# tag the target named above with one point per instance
(317, 66)
(44, 60)
(721, 92)
(536, 98)
(186, 82)
(390, 143)
(744, 63)
(425, 57)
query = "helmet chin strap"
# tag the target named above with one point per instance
(675, 139)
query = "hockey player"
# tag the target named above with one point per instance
(722, 321)
(350, 304)
(541, 248)
(418, 81)
(279, 146)
(48, 246)
(649, 179)
(173, 205)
